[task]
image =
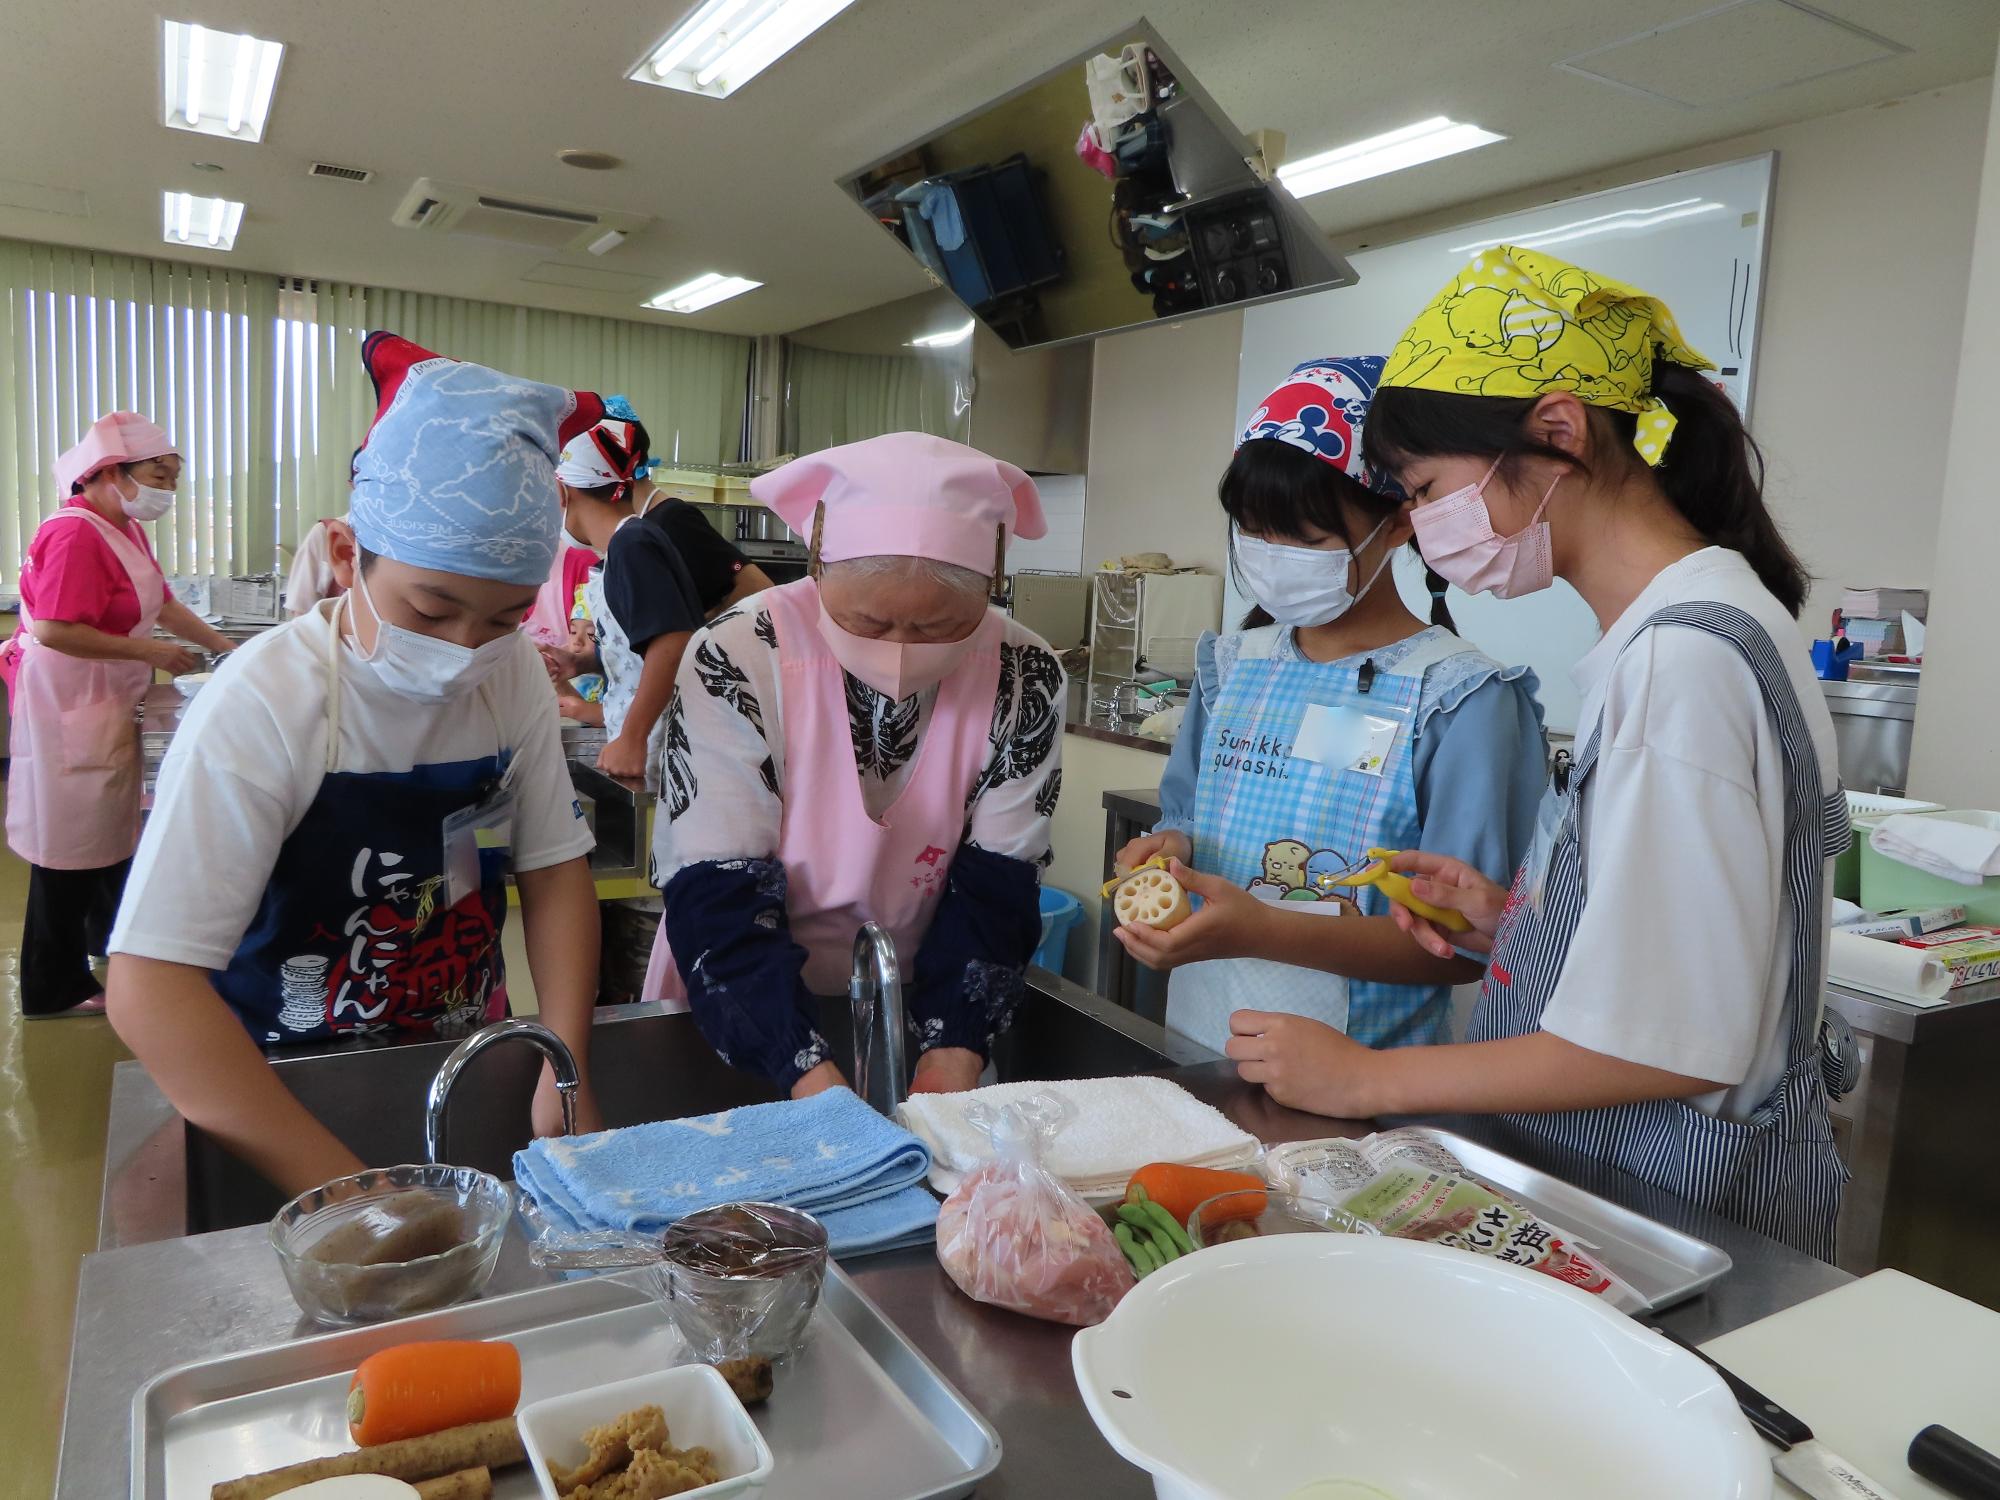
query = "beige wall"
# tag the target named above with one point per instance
(1957, 755)
(1871, 239)
(1162, 418)
(1090, 769)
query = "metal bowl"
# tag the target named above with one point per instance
(391, 1241)
(742, 1279)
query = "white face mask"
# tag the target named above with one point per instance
(1302, 586)
(421, 667)
(149, 504)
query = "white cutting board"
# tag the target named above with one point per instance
(1870, 1366)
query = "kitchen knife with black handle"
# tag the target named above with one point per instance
(1955, 1465)
(1805, 1461)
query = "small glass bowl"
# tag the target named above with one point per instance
(442, 1225)
(1228, 1217)
(742, 1280)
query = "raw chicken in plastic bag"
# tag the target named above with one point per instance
(1014, 1235)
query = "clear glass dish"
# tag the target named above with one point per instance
(391, 1241)
(1242, 1216)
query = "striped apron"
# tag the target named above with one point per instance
(1777, 1173)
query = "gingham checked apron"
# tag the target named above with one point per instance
(1777, 1173)
(1266, 818)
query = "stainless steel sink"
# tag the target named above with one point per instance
(644, 1066)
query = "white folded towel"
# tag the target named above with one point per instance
(1114, 1127)
(1965, 853)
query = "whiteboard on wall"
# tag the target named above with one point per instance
(1696, 240)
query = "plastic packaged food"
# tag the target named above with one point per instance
(1014, 1236)
(1410, 1187)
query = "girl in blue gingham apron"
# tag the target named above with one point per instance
(1340, 725)
(1653, 999)
(1274, 820)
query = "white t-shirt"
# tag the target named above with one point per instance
(247, 760)
(1682, 954)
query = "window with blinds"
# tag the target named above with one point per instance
(259, 381)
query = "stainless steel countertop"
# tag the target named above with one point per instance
(1964, 1015)
(145, 1308)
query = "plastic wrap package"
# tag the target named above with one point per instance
(741, 1281)
(1408, 1185)
(1014, 1236)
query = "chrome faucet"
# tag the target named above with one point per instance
(537, 1036)
(883, 1078)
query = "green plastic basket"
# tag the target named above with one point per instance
(1890, 885)
(1867, 809)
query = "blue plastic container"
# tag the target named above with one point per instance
(1060, 912)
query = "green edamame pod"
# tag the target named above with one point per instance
(1165, 1223)
(1129, 1245)
(1135, 1214)
(1151, 1253)
(1163, 1246)
(1138, 1194)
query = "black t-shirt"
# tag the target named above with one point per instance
(647, 586)
(712, 559)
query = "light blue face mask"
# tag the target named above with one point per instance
(421, 667)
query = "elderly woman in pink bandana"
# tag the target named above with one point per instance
(871, 743)
(91, 597)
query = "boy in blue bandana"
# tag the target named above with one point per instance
(339, 811)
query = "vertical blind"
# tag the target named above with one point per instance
(833, 397)
(260, 383)
(87, 333)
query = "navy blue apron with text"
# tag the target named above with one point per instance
(355, 933)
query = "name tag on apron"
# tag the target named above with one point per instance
(486, 825)
(1347, 738)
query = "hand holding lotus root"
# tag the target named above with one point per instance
(1149, 897)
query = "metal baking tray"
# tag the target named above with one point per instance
(1662, 1265)
(860, 1412)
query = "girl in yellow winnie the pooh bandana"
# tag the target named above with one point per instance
(1652, 998)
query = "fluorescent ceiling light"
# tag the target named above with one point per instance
(1411, 146)
(1583, 229)
(703, 291)
(205, 223)
(943, 340)
(217, 82)
(723, 44)
(606, 242)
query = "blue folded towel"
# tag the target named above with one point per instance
(830, 1155)
(905, 1218)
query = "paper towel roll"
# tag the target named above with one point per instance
(1907, 974)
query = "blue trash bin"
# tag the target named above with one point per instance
(1060, 912)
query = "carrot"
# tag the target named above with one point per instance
(413, 1389)
(1181, 1190)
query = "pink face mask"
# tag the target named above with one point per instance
(895, 669)
(1456, 536)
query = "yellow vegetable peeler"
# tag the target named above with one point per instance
(1397, 888)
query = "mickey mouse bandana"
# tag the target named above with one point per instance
(1319, 409)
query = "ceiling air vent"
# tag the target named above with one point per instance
(453, 208)
(339, 174)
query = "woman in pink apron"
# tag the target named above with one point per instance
(872, 743)
(91, 595)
